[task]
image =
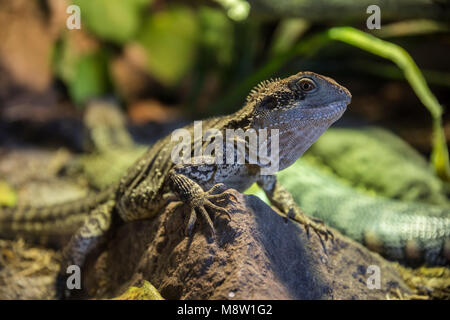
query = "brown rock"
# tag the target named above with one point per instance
(257, 255)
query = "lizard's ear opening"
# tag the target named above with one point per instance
(268, 103)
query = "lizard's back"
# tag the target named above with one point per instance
(148, 172)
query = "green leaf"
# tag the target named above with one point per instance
(412, 73)
(84, 72)
(112, 20)
(170, 40)
(216, 35)
(90, 77)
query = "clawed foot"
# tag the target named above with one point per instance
(316, 225)
(202, 202)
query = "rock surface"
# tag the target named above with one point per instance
(257, 255)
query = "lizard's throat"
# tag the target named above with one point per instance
(297, 133)
(295, 141)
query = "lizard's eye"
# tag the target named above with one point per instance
(306, 84)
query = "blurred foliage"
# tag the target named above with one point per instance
(236, 9)
(84, 70)
(7, 195)
(385, 49)
(390, 71)
(395, 53)
(113, 20)
(411, 27)
(208, 58)
(170, 40)
(175, 41)
(90, 78)
(217, 35)
(85, 75)
(287, 34)
(207, 55)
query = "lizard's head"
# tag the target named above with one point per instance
(301, 107)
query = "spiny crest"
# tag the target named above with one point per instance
(258, 89)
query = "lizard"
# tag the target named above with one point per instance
(376, 160)
(410, 232)
(409, 198)
(301, 107)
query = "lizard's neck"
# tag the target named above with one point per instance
(241, 119)
(293, 142)
(297, 132)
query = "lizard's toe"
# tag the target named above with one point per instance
(204, 205)
(320, 229)
(191, 223)
(316, 225)
(216, 208)
(217, 189)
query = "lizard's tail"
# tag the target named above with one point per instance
(54, 220)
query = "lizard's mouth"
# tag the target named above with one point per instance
(303, 117)
(332, 111)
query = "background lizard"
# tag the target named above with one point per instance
(302, 107)
(412, 233)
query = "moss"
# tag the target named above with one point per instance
(146, 292)
(431, 282)
(7, 195)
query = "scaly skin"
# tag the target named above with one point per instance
(301, 107)
(379, 161)
(398, 171)
(409, 232)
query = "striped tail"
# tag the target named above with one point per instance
(34, 222)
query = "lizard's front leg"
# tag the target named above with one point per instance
(283, 201)
(185, 181)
